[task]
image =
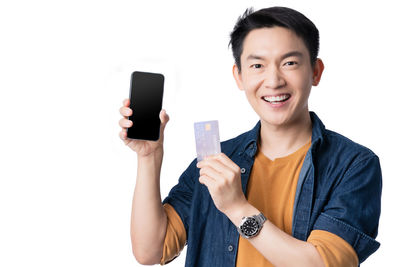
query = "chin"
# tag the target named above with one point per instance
(276, 120)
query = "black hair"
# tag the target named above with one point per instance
(270, 17)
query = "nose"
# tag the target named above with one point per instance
(273, 78)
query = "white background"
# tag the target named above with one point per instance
(67, 179)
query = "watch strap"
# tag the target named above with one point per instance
(260, 218)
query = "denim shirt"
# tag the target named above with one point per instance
(339, 190)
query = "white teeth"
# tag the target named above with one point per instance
(276, 98)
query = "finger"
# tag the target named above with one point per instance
(123, 136)
(125, 111)
(224, 159)
(212, 173)
(213, 163)
(126, 102)
(207, 181)
(125, 123)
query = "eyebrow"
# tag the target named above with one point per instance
(289, 54)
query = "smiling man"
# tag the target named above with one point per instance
(286, 193)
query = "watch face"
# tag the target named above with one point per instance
(249, 227)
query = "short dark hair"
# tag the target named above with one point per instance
(270, 17)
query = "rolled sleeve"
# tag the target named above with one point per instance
(353, 210)
(180, 196)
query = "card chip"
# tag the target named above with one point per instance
(208, 127)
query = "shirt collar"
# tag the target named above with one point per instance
(250, 141)
(318, 129)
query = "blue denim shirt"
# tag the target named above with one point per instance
(339, 190)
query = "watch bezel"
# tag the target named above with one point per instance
(246, 220)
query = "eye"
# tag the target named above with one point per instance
(290, 63)
(256, 66)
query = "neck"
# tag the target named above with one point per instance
(279, 141)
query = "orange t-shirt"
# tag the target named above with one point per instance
(271, 189)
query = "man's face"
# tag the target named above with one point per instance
(276, 75)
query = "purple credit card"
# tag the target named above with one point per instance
(207, 139)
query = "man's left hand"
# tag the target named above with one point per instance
(223, 180)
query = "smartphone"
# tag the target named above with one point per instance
(146, 94)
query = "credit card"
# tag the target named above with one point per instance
(207, 139)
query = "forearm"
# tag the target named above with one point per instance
(148, 220)
(275, 245)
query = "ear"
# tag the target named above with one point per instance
(317, 72)
(238, 77)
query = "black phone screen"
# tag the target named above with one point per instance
(146, 95)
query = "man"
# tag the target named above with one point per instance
(286, 193)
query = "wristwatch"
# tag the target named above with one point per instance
(251, 226)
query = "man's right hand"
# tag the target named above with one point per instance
(143, 148)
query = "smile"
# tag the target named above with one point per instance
(276, 99)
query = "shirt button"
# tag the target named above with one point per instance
(230, 248)
(242, 170)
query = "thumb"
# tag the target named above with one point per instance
(164, 118)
